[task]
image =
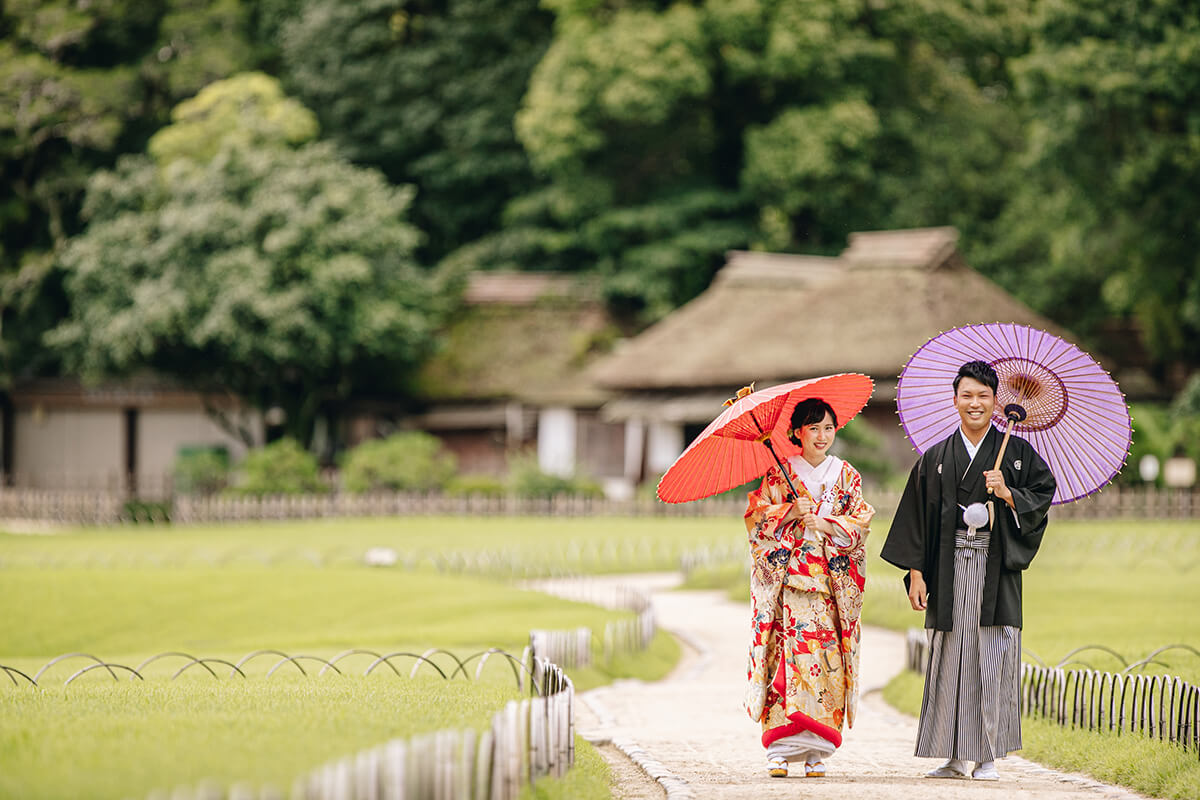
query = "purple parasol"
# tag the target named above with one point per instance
(1052, 393)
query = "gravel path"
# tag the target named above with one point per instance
(690, 734)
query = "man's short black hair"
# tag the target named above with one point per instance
(810, 412)
(980, 371)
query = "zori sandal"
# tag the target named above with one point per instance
(777, 767)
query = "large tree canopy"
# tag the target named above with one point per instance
(426, 91)
(1107, 220)
(81, 83)
(639, 140)
(669, 133)
(282, 275)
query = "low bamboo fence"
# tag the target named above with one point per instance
(528, 740)
(112, 506)
(630, 635)
(1075, 696)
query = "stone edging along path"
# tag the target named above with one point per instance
(691, 736)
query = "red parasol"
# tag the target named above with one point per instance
(750, 436)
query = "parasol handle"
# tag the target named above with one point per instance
(782, 468)
(1015, 414)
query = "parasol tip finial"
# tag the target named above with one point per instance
(742, 392)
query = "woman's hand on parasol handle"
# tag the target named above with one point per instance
(813, 522)
(800, 507)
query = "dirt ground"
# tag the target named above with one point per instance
(688, 736)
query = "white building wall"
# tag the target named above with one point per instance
(162, 432)
(635, 449)
(73, 449)
(556, 441)
(664, 443)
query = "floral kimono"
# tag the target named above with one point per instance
(806, 599)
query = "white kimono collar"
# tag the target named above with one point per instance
(815, 478)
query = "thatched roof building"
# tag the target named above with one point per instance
(771, 318)
(521, 336)
(510, 376)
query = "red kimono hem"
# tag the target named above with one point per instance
(800, 723)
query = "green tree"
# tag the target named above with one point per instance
(670, 133)
(81, 83)
(283, 275)
(1107, 216)
(424, 90)
(246, 110)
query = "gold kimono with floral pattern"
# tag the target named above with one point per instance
(806, 599)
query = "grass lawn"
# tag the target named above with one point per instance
(113, 740)
(500, 545)
(589, 779)
(127, 738)
(126, 593)
(131, 613)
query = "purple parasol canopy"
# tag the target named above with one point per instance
(1075, 415)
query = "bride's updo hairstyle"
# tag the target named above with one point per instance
(810, 412)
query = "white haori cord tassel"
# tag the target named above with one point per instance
(976, 516)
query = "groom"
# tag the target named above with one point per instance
(965, 574)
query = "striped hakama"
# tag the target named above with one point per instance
(970, 705)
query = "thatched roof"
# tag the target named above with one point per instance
(520, 336)
(771, 317)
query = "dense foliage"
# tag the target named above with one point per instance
(81, 83)
(634, 140)
(282, 274)
(424, 90)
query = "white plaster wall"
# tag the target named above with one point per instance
(635, 448)
(664, 443)
(162, 432)
(68, 449)
(556, 441)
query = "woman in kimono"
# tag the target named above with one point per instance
(806, 586)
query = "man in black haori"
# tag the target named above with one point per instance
(964, 550)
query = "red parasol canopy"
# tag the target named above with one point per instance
(750, 436)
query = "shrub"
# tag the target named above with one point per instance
(527, 479)
(139, 511)
(201, 470)
(282, 467)
(862, 446)
(486, 485)
(1161, 431)
(408, 461)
